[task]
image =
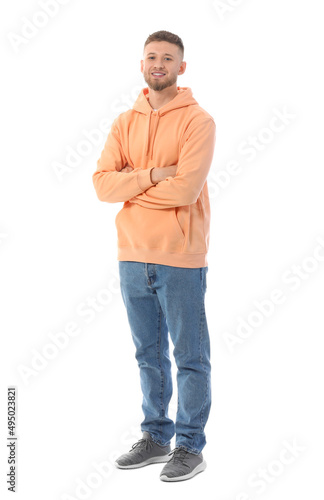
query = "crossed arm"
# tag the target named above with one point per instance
(194, 163)
(157, 174)
(171, 186)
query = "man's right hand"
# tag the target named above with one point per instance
(159, 174)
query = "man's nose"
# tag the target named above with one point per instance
(159, 64)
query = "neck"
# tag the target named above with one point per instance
(159, 98)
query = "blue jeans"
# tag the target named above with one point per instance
(161, 299)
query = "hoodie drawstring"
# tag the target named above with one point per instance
(154, 133)
(148, 134)
(156, 124)
(183, 98)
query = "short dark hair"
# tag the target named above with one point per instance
(166, 36)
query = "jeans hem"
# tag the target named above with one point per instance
(155, 440)
(193, 451)
(158, 442)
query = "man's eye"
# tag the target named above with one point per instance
(152, 57)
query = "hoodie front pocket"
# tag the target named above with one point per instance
(192, 221)
(180, 215)
(140, 227)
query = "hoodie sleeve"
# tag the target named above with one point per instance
(110, 184)
(193, 166)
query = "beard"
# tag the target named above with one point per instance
(157, 85)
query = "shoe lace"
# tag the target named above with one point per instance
(179, 456)
(147, 443)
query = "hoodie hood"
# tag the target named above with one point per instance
(183, 98)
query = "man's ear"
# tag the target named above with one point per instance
(182, 68)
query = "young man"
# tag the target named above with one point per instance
(156, 160)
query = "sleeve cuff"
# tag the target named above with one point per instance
(144, 179)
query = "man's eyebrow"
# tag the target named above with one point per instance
(155, 53)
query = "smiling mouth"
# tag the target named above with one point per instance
(158, 75)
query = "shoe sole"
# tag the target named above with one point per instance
(200, 468)
(149, 461)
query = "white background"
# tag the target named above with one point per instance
(58, 246)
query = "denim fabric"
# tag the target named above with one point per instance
(161, 299)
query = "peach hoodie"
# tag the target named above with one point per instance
(166, 223)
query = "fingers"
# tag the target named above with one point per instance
(127, 169)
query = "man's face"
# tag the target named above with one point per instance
(162, 57)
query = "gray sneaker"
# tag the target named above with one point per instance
(183, 465)
(144, 452)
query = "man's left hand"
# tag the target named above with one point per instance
(127, 169)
